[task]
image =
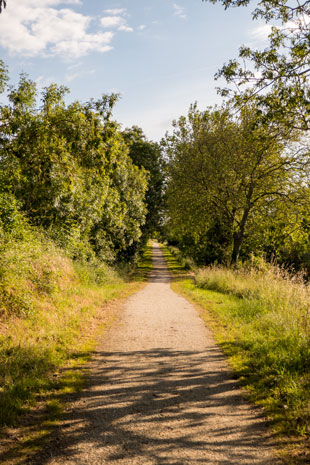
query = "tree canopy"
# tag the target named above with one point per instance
(226, 175)
(148, 155)
(72, 171)
(277, 77)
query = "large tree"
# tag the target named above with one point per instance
(69, 168)
(225, 172)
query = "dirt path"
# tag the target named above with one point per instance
(160, 393)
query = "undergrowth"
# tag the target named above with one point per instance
(184, 262)
(270, 321)
(50, 310)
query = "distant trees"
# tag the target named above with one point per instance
(70, 170)
(148, 155)
(226, 175)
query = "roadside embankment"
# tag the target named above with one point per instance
(51, 311)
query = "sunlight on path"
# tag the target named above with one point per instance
(160, 393)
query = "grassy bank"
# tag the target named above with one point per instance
(52, 310)
(260, 317)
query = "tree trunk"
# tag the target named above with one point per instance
(238, 239)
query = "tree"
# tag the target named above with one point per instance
(3, 76)
(147, 154)
(227, 171)
(69, 169)
(278, 76)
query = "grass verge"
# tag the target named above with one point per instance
(260, 320)
(173, 263)
(45, 348)
(144, 265)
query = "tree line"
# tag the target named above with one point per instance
(236, 187)
(71, 171)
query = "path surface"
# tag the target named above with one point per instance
(160, 393)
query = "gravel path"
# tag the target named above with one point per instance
(160, 393)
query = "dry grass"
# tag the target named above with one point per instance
(267, 326)
(49, 309)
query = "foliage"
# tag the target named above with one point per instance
(278, 76)
(3, 76)
(226, 174)
(259, 314)
(148, 155)
(186, 263)
(144, 264)
(68, 190)
(174, 261)
(50, 310)
(69, 169)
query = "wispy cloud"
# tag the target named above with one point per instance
(112, 21)
(179, 11)
(72, 74)
(261, 33)
(115, 11)
(125, 28)
(116, 19)
(44, 81)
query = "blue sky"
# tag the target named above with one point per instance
(160, 55)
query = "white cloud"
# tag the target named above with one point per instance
(44, 81)
(261, 32)
(141, 27)
(179, 11)
(116, 11)
(112, 21)
(41, 29)
(125, 28)
(71, 75)
(116, 20)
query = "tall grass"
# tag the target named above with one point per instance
(50, 308)
(267, 321)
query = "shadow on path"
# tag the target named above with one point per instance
(152, 405)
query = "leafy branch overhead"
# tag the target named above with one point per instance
(2, 5)
(277, 76)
